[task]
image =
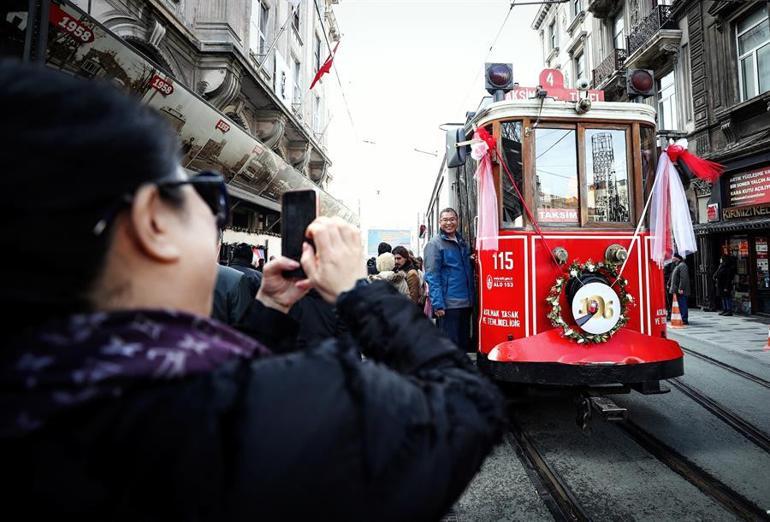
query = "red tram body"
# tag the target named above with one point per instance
(585, 175)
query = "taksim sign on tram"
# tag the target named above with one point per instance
(552, 81)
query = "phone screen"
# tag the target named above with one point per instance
(298, 209)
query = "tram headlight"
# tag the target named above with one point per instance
(615, 255)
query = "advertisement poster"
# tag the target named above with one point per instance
(392, 237)
(750, 188)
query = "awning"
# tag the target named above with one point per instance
(734, 225)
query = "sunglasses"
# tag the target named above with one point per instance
(210, 186)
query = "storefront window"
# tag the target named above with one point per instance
(607, 176)
(511, 144)
(738, 247)
(763, 274)
(556, 176)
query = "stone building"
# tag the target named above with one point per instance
(254, 61)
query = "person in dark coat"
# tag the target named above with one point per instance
(723, 278)
(242, 259)
(667, 269)
(232, 296)
(121, 400)
(680, 286)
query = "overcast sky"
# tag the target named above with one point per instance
(408, 66)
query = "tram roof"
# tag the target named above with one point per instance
(564, 110)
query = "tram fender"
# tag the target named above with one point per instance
(626, 347)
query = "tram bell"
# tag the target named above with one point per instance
(498, 79)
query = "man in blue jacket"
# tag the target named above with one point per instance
(450, 278)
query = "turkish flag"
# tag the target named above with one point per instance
(326, 67)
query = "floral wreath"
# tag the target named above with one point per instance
(573, 272)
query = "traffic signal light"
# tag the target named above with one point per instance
(640, 82)
(498, 79)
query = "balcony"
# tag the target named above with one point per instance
(610, 66)
(656, 36)
(603, 8)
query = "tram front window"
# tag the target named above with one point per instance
(607, 198)
(556, 176)
(511, 143)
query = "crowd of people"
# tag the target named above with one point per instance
(330, 396)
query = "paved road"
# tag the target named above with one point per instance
(612, 476)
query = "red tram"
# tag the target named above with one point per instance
(551, 308)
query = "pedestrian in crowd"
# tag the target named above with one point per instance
(667, 269)
(382, 248)
(243, 261)
(450, 279)
(386, 265)
(723, 278)
(121, 399)
(232, 293)
(371, 266)
(405, 264)
(316, 321)
(680, 286)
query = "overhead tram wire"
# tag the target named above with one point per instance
(489, 52)
(336, 72)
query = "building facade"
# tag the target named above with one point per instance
(711, 62)
(253, 60)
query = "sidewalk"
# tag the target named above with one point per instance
(737, 340)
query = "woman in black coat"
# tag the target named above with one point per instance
(723, 278)
(121, 400)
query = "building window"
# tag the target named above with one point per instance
(753, 40)
(317, 114)
(297, 83)
(552, 38)
(580, 66)
(686, 82)
(295, 18)
(316, 52)
(577, 7)
(667, 107)
(619, 32)
(260, 14)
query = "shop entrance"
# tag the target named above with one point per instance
(752, 280)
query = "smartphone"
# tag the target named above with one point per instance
(298, 209)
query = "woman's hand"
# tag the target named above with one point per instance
(276, 291)
(335, 264)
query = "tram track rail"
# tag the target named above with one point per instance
(743, 427)
(558, 498)
(707, 483)
(737, 371)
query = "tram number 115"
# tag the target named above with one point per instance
(503, 260)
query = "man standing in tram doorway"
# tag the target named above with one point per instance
(680, 286)
(450, 280)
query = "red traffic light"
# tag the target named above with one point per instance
(640, 82)
(498, 77)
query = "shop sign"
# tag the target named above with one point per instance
(712, 212)
(745, 212)
(750, 188)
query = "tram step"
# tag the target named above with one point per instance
(608, 409)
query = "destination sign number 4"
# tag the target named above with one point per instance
(503, 260)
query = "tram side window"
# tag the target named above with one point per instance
(511, 144)
(649, 157)
(607, 197)
(556, 173)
